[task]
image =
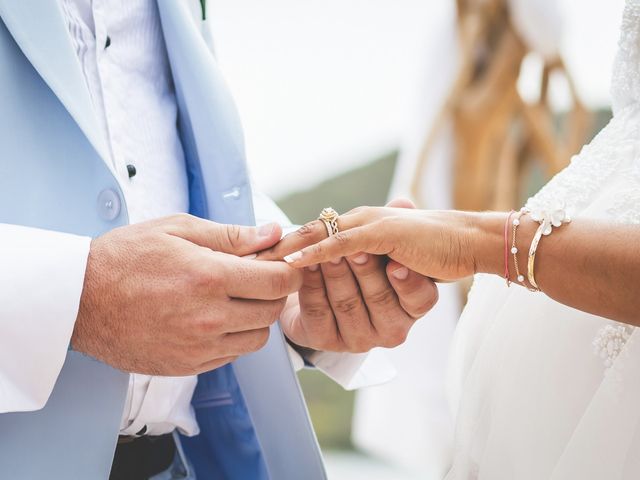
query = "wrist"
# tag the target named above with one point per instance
(488, 244)
(487, 241)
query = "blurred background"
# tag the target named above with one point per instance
(469, 104)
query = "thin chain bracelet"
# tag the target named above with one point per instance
(514, 250)
(507, 223)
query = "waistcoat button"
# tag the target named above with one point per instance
(108, 204)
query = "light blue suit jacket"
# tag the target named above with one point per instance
(54, 175)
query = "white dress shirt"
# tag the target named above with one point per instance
(121, 50)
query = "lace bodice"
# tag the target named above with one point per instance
(614, 151)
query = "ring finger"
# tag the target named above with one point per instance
(309, 234)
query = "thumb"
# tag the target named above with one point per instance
(232, 239)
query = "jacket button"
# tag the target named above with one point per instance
(131, 170)
(109, 205)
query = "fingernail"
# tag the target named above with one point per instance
(401, 273)
(360, 259)
(266, 230)
(336, 261)
(253, 256)
(294, 257)
(314, 267)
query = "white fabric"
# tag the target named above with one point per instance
(36, 332)
(541, 390)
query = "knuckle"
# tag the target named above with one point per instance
(210, 279)
(312, 290)
(347, 306)
(385, 297)
(260, 340)
(207, 326)
(279, 284)
(233, 234)
(342, 238)
(395, 337)
(276, 311)
(310, 229)
(335, 272)
(283, 283)
(429, 301)
(388, 222)
(315, 311)
(317, 249)
(357, 210)
(421, 299)
(181, 219)
(187, 366)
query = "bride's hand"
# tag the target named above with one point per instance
(434, 243)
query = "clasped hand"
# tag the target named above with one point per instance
(352, 303)
(175, 296)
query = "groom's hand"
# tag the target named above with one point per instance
(172, 297)
(354, 304)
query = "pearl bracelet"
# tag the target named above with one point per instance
(514, 247)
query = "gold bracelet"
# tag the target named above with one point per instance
(532, 258)
(547, 218)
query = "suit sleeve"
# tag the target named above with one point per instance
(41, 280)
(349, 370)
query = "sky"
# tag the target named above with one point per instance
(326, 85)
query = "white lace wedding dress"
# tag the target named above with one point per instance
(540, 390)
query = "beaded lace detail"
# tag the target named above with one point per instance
(609, 342)
(577, 184)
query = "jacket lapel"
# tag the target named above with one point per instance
(39, 29)
(268, 421)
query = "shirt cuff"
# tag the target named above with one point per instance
(349, 370)
(41, 282)
(159, 405)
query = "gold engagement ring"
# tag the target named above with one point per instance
(329, 217)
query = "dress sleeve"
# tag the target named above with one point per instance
(41, 280)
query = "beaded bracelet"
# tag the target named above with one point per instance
(514, 248)
(507, 223)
